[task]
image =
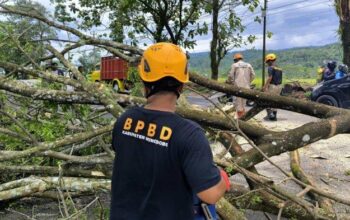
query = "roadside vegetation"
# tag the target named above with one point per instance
(297, 63)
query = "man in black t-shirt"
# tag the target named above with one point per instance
(162, 160)
(273, 83)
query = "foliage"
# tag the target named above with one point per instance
(24, 31)
(133, 75)
(135, 79)
(226, 30)
(256, 200)
(174, 21)
(296, 63)
(45, 121)
(89, 60)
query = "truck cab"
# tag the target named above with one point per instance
(95, 76)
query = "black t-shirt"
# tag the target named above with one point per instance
(276, 74)
(162, 160)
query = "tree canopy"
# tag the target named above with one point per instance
(19, 33)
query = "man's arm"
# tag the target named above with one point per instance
(205, 179)
(252, 73)
(231, 75)
(213, 194)
(268, 81)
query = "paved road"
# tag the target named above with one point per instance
(326, 161)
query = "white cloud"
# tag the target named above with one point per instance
(47, 4)
(293, 23)
(202, 46)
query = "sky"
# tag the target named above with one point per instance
(294, 23)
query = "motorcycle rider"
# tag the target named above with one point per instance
(342, 71)
(329, 73)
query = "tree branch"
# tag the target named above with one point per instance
(75, 138)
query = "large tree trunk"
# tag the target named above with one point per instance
(343, 10)
(345, 37)
(214, 63)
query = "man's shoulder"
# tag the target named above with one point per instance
(249, 65)
(242, 64)
(139, 112)
(130, 111)
(192, 124)
(275, 68)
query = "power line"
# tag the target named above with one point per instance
(300, 7)
(332, 32)
(290, 13)
(283, 6)
(324, 12)
(294, 3)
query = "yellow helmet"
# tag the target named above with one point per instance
(237, 56)
(270, 57)
(161, 60)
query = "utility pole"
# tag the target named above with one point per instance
(264, 43)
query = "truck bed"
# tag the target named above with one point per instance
(113, 68)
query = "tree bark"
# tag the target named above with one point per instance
(266, 99)
(345, 37)
(214, 64)
(299, 173)
(343, 10)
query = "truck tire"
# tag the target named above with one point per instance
(328, 100)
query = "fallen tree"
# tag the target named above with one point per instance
(63, 137)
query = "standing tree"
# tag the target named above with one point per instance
(137, 22)
(226, 31)
(343, 11)
(27, 33)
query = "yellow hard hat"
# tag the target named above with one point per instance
(237, 56)
(270, 57)
(163, 60)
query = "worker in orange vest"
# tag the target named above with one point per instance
(241, 74)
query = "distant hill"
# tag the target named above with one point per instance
(295, 62)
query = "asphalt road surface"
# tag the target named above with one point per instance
(326, 161)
